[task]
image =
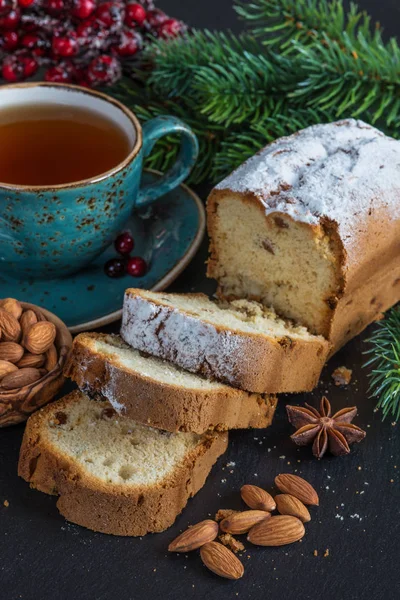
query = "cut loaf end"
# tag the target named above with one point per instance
(113, 475)
(287, 264)
(241, 343)
(160, 394)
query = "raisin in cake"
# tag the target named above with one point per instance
(311, 225)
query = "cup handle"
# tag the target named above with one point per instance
(155, 129)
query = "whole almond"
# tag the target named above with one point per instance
(289, 505)
(298, 487)
(277, 531)
(51, 358)
(9, 326)
(195, 537)
(31, 360)
(11, 351)
(257, 498)
(20, 378)
(6, 368)
(28, 318)
(221, 561)
(12, 306)
(39, 337)
(242, 522)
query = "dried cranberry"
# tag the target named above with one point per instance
(11, 19)
(130, 42)
(136, 266)
(17, 67)
(155, 17)
(82, 9)
(103, 69)
(115, 267)
(135, 14)
(124, 243)
(171, 28)
(65, 44)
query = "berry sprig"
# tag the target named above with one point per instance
(77, 41)
(135, 266)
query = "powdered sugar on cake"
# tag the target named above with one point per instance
(340, 171)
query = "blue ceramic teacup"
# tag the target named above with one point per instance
(52, 231)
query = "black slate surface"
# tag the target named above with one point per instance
(42, 557)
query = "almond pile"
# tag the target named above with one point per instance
(261, 527)
(27, 350)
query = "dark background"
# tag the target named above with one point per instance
(42, 557)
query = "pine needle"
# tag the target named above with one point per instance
(384, 359)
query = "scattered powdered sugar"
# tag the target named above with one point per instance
(341, 171)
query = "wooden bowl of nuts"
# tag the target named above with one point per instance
(34, 345)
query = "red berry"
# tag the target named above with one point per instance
(26, 3)
(155, 17)
(136, 266)
(92, 34)
(115, 267)
(9, 40)
(135, 14)
(11, 20)
(61, 73)
(111, 14)
(65, 44)
(17, 67)
(36, 43)
(82, 9)
(6, 6)
(170, 28)
(124, 243)
(130, 42)
(103, 69)
(54, 7)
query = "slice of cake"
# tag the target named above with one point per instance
(310, 225)
(111, 474)
(240, 343)
(157, 393)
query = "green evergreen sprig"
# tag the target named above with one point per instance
(299, 62)
(384, 353)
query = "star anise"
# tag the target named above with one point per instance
(323, 430)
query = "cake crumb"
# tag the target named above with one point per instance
(315, 552)
(223, 513)
(6, 503)
(326, 553)
(228, 540)
(342, 376)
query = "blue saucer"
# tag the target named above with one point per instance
(167, 236)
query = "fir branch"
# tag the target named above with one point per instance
(280, 22)
(238, 147)
(385, 360)
(356, 78)
(175, 63)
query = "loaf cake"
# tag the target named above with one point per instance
(240, 343)
(157, 393)
(311, 225)
(113, 475)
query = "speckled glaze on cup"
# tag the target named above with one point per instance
(52, 231)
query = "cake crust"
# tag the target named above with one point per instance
(162, 405)
(254, 362)
(343, 180)
(107, 507)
